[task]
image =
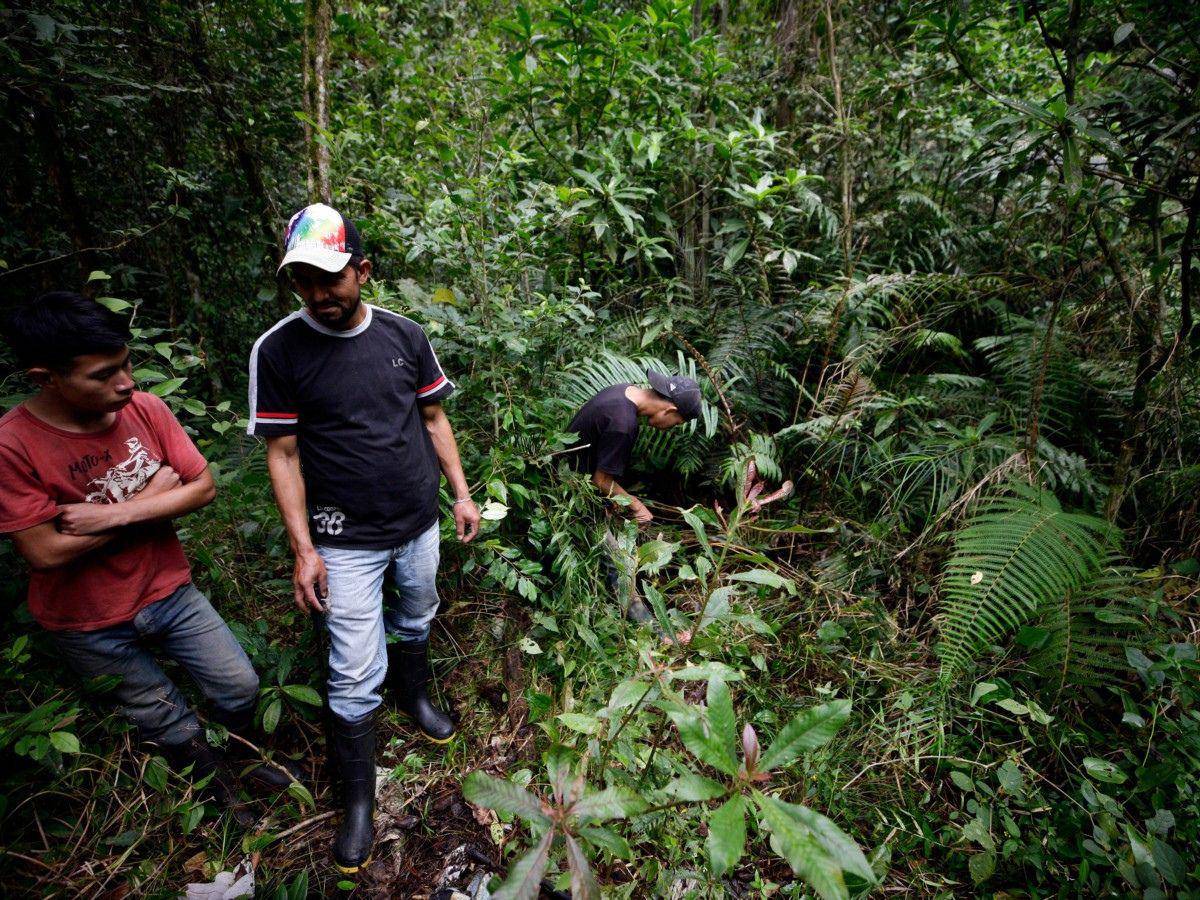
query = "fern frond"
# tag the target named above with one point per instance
(1080, 640)
(1016, 555)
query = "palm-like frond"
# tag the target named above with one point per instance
(1017, 555)
(1029, 368)
(1080, 640)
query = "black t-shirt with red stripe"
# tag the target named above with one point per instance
(353, 400)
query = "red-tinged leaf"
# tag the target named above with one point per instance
(524, 881)
(583, 882)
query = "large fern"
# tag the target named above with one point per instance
(1080, 640)
(1017, 557)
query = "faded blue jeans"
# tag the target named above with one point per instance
(187, 629)
(358, 622)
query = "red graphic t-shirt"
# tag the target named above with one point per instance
(42, 466)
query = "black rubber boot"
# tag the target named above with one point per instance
(204, 760)
(408, 675)
(256, 775)
(353, 750)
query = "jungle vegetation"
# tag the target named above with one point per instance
(934, 262)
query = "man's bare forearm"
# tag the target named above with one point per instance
(608, 486)
(172, 504)
(287, 482)
(446, 447)
(45, 547)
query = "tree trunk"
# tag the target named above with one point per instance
(270, 226)
(322, 21)
(59, 170)
(310, 146)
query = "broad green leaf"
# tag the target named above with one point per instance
(493, 511)
(301, 794)
(694, 786)
(583, 882)
(116, 304)
(610, 803)
(494, 793)
(701, 743)
(735, 252)
(1103, 770)
(796, 843)
(579, 722)
(840, 846)
(524, 881)
(155, 773)
(653, 555)
(718, 605)
(163, 388)
(982, 865)
(303, 693)
(962, 780)
(64, 741)
(726, 839)
(807, 731)
(271, 716)
(705, 671)
(699, 528)
(608, 839)
(627, 693)
(763, 577)
(1010, 777)
(721, 717)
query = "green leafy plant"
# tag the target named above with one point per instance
(1017, 555)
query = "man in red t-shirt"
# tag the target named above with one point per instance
(93, 473)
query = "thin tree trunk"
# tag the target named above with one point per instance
(270, 227)
(844, 128)
(75, 221)
(322, 23)
(310, 147)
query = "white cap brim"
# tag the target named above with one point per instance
(321, 257)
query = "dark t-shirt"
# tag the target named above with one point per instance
(353, 400)
(607, 426)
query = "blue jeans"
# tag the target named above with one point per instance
(358, 621)
(189, 631)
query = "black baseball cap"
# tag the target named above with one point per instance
(679, 389)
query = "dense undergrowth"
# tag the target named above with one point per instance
(929, 261)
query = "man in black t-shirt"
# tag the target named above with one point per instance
(348, 397)
(607, 426)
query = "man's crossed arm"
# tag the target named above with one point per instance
(80, 528)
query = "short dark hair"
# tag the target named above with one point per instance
(58, 327)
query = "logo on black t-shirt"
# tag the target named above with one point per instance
(398, 361)
(328, 520)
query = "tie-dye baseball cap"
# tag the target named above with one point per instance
(320, 236)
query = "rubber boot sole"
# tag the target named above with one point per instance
(354, 870)
(425, 734)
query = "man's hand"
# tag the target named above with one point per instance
(165, 479)
(641, 514)
(88, 518)
(310, 582)
(94, 518)
(466, 520)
